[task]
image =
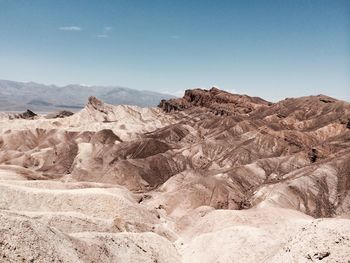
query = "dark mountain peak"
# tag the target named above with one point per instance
(95, 102)
(28, 115)
(59, 114)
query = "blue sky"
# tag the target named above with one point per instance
(272, 49)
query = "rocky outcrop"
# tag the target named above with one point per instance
(218, 101)
(27, 115)
(59, 114)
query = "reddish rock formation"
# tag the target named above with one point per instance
(218, 101)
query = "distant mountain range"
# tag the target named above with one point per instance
(19, 96)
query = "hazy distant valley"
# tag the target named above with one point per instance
(247, 178)
(20, 96)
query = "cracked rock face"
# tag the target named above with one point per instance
(210, 177)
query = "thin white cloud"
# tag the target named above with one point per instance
(105, 31)
(175, 37)
(102, 36)
(70, 28)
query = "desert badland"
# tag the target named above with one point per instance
(209, 177)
